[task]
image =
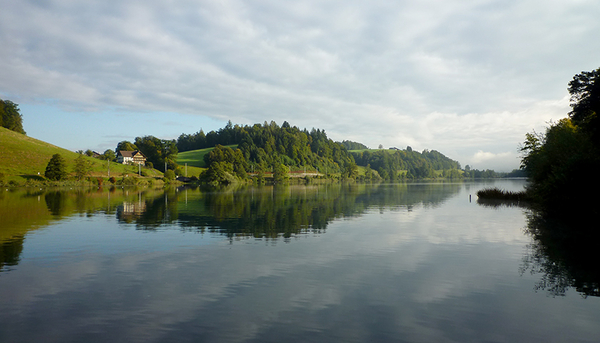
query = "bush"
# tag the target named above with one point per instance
(56, 169)
(169, 175)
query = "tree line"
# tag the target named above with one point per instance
(389, 163)
(558, 159)
(274, 149)
(266, 148)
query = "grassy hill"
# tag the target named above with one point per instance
(23, 157)
(195, 160)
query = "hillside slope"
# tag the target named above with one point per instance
(24, 157)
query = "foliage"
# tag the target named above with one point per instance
(263, 147)
(566, 151)
(388, 163)
(128, 180)
(350, 145)
(10, 116)
(481, 174)
(56, 169)
(585, 103)
(280, 172)
(158, 151)
(125, 146)
(350, 171)
(81, 167)
(553, 161)
(108, 155)
(170, 175)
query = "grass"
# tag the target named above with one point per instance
(195, 158)
(24, 158)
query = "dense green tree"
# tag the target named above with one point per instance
(10, 116)
(262, 146)
(554, 160)
(158, 151)
(568, 149)
(418, 165)
(170, 175)
(125, 146)
(585, 103)
(350, 171)
(280, 172)
(108, 155)
(350, 145)
(81, 167)
(57, 168)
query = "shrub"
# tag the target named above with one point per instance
(129, 181)
(499, 194)
(56, 169)
(170, 175)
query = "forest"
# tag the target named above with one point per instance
(279, 149)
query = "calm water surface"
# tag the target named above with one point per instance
(415, 262)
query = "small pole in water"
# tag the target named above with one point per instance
(469, 197)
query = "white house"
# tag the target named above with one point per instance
(131, 157)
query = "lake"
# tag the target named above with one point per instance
(408, 262)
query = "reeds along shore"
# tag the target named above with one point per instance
(499, 194)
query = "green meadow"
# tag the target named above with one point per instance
(24, 158)
(195, 160)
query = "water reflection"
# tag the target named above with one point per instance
(564, 252)
(432, 267)
(10, 252)
(281, 212)
(267, 212)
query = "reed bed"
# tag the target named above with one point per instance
(500, 194)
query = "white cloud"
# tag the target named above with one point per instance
(444, 75)
(495, 161)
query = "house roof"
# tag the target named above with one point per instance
(130, 153)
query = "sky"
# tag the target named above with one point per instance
(466, 78)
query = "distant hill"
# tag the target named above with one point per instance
(269, 145)
(24, 157)
(416, 164)
(264, 147)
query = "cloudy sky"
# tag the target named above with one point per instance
(466, 78)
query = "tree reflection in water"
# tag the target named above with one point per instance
(10, 252)
(564, 252)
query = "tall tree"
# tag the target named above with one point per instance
(81, 167)
(567, 150)
(10, 116)
(158, 151)
(585, 102)
(125, 146)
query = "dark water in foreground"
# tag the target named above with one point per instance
(337, 263)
